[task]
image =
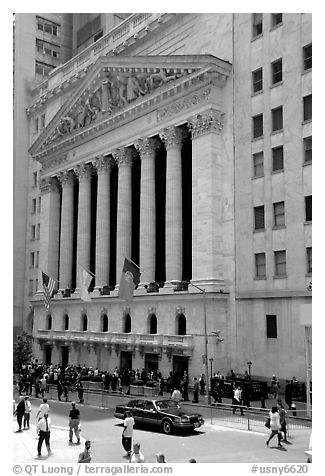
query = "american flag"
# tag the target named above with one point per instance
(48, 289)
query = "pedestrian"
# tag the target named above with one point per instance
(161, 458)
(65, 385)
(74, 421)
(161, 387)
(127, 432)
(275, 386)
(28, 409)
(85, 456)
(44, 431)
(136, 455)
(20, 412)
(44, 408)
(195, 391)
(176, 395)
(43, 384)
(288, 394)
(237, 400)
(59, 389)
(283, 421)
(202, 384)
(274, 426)
(80, 390)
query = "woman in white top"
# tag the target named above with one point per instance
(274, 426)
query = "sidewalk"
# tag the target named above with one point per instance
(25, 446)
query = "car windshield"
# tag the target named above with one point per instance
(164, 404)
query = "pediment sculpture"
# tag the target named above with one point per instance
(116, 90)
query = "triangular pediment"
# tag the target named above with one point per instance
(114, 85)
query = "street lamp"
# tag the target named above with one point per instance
(249, 363)
(211, 362)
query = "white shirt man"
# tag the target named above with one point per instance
(44, 408)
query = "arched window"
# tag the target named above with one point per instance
(49, 322)
(84, 322)
(153, 324)
(127, 323)
(66, 322)
(104, 323)
(181, 325)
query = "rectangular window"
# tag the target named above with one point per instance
(36, 285)
(277, 158)
(258, 126)
(271, 326)
(37, 259)
(31, 287)
(259, 221)
(280, 263)
(258, 164)
(277, 119)
(309, 260)
(33, 232)
(278, 213)
(32, 260)
(276, 68)
(34, 205)
(307, 56)
(42, 121)
(260, 265)
(39, 204)
(257, 24)
(307, 100)
(308, 208)
(276, 19)
(38, 231)
(257, 78)
(308, 150)
(34, 179)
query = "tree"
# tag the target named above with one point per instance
(23, 350)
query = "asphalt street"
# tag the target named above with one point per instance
(212, 443)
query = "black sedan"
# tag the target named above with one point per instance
(163, 413)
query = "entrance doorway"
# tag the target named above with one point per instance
(180, 365)
(48, 354)
(151, 362)
(126, 360)
(65, 356)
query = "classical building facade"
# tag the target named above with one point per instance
(175, 140)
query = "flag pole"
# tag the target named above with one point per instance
(92, 274)
(143, 271)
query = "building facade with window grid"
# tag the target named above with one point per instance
(259, 41)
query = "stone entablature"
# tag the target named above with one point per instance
(117, 92)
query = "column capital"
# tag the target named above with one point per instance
(146, 147)
(205, 122)
(49, 184)
(102, 164)
(172, 137)
(66, 178)
(123, 156)
(83, 171)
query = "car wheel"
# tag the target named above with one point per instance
(167, 427)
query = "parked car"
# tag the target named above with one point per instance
(161, 413)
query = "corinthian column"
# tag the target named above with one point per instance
(84, 172)
(147, 150)
(123, 158)
(66, 179)
(103, 167)
(172, 138)
(208, 243)
(50, 228)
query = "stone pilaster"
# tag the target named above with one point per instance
(173, 138)
(123, 157)
(50, 228)
(208, 197)
(83, 173)
(147, 150)
(66, 179)
(103, 166)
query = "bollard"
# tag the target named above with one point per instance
(293, 408)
